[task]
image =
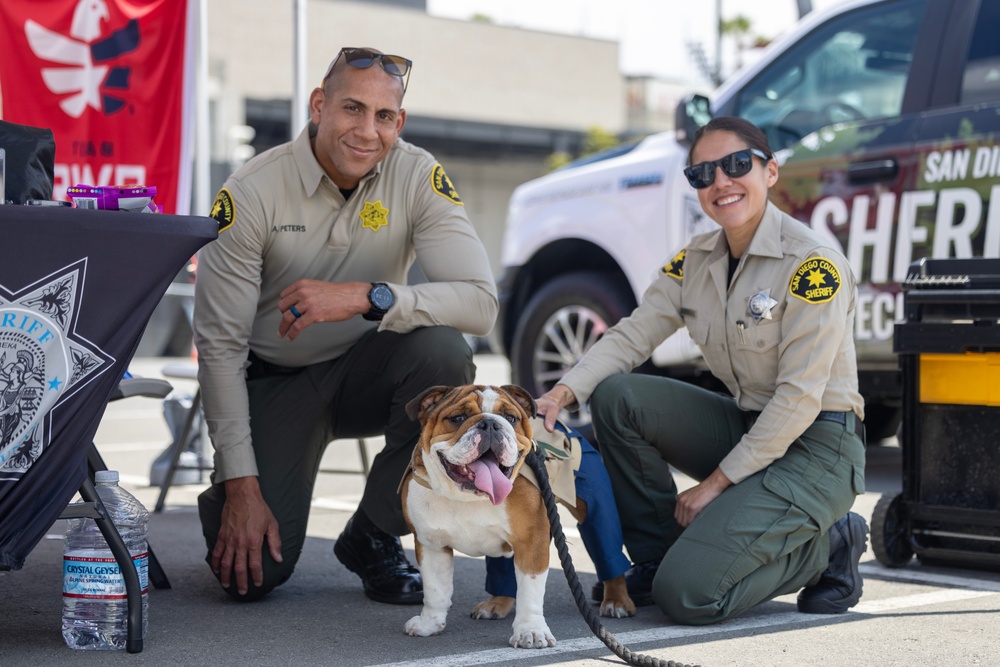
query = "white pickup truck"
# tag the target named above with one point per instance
(885, 115)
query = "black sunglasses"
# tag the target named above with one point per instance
(365, 58)
(736, 164)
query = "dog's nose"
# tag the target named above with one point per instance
(488, 425)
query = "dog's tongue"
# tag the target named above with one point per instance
(490, 480)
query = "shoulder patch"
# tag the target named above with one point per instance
(675, 267)
(224, 210)
(816, 280)
(442, 185)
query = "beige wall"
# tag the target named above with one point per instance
(485, 188)
(462, 69)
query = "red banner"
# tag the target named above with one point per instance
(113, 80)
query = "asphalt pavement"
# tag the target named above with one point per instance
(912, 616)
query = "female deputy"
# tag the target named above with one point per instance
(771, 305)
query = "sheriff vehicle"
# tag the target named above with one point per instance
(885, 118)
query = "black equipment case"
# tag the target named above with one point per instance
(949, 355)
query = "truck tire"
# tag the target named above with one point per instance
(560, 323)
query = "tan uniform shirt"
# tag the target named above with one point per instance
(793, 360)
(282, 219)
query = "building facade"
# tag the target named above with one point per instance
(490, 102)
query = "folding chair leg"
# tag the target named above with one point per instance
(157, 576)
(363, 450)
(178, 446)
(365, 465)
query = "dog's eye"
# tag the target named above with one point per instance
(456, 419)
(511, 417)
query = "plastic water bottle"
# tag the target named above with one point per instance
(95, 606)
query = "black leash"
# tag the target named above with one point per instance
(537, 463)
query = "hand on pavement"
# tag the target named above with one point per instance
(246, 522)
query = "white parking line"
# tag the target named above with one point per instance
(132, 446)
(876, 607)
(672, 633)
(133, 414)
(913, 576)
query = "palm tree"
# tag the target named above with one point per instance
(738, 28)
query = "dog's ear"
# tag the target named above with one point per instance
(521, 397)
(418, 408)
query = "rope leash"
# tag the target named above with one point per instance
(537, 464)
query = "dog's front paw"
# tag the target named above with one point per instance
(534, 637)
(424, 626)
(616, 603)
(615, 609)
(494, 609)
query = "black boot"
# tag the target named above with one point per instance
(378, 559)
(638, 581)
(839, 588)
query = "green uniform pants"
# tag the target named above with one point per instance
(763, 537)
(296, 412)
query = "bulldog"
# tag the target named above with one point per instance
(463, 491)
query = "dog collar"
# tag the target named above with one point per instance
(419, 479)
(411, 469)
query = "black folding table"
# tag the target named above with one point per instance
(77, 288)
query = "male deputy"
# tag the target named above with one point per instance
(307, 331)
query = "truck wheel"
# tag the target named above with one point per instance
(890, 532)
(560, 323)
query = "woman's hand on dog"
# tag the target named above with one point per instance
(552, 402)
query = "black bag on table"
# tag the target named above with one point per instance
(31, 157)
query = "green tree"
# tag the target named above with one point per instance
(598, 139)
(557, 160)
(738, 28)
(595, 140)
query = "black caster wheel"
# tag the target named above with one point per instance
(890, 535)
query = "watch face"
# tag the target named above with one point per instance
(381, 297)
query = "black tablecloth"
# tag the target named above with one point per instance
(77, 288)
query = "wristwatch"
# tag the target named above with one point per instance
(381, 298)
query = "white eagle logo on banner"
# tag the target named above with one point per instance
(83, 78)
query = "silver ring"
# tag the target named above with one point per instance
(295, 311)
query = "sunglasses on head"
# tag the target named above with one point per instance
(736, 164)
(365, 58)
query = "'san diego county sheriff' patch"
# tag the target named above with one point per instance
(224, 210)
(675, 267)
(816, 280)
(374, 216)
(441, 184)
